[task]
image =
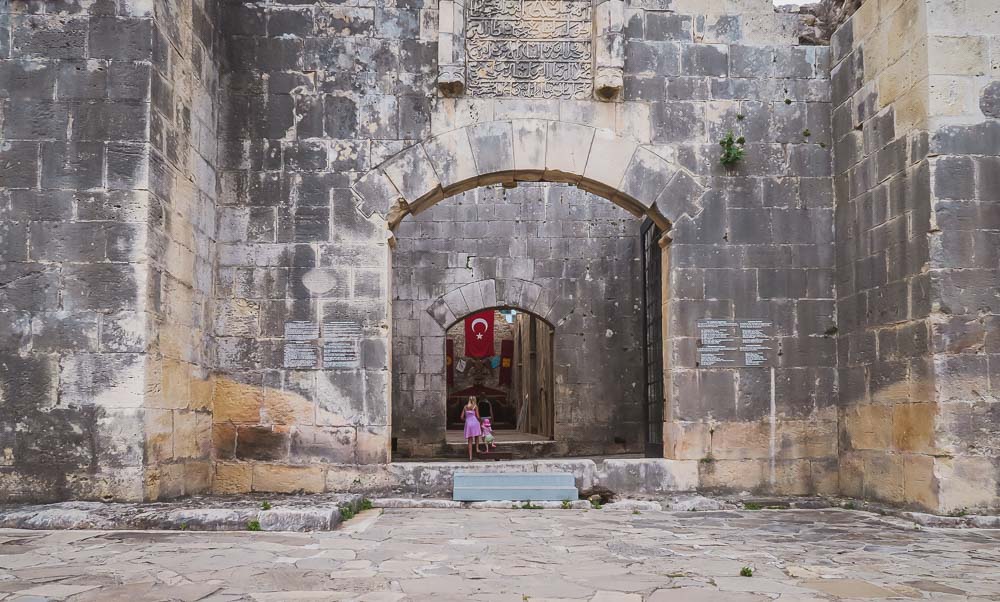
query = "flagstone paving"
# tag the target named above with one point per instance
(516, 555)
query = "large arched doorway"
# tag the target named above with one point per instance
(637, 178)
(564, 260)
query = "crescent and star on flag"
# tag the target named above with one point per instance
(486, 327)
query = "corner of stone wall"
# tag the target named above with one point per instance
(963, 57)
(184, 129)
(915, 150)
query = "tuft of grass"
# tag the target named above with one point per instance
(635, 512)
(752, 506)
(959, 513)
(849, 506)
(732, 149)
(565, 505)
(366, 504)
(253, 525)
(807, 133)
(596, 504)
(184, 526)
(740, 117)
(529, 506)
(746, 572)
(788, 101)
(265, 505)
(346, 512)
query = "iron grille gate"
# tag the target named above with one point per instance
(652, 340)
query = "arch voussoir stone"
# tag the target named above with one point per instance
(442, 313)
(376, 193)
(646, 176)
(493, 149)
(567, 148)
(456, 303)
(413, 175)
(480, 295)
(631, 175)
(682, 196)
(451, 155)
(473, 294)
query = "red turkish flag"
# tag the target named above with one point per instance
(479, 334)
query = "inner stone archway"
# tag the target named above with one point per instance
(503, 357)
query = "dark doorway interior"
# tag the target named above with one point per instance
(514, 384)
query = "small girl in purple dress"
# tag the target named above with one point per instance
(470, 413)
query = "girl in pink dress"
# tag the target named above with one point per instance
(470, 413)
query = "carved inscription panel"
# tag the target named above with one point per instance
(529, 48)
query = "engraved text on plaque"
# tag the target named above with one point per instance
(735, 343)
(530, 48)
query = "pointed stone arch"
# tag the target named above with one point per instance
(620, 169)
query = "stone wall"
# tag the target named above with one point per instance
(316, 94)
(916, 272)
(74, 87)
(197, 287)
(560, 238)
(761, 247)
(108, 198)
(882, 205)
(963, 61)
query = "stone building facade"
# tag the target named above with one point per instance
(204, 206)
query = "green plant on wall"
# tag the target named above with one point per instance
(732, 149)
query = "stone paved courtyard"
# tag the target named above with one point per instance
(517, 555)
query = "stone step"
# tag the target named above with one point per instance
(484, 486)
(495, 455)
(512, 450)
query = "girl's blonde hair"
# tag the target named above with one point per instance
(472, 402)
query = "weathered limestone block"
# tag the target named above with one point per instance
(413, 175)
(457, 304)
(609, 157)
(376, 193)
(682, 196)
(493, 149)
(687, 440)
(920, 485)
(473, 294)
(441, 313)
(236, 402)
(488, 289)
(451, 155)
(277, 478)
(609, 60)
(649, 476)
(732, 475)
(646, 177)
(567, 149)
(529, 149)
(319, 518)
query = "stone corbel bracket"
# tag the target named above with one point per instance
(609, 44)
(451, 47)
